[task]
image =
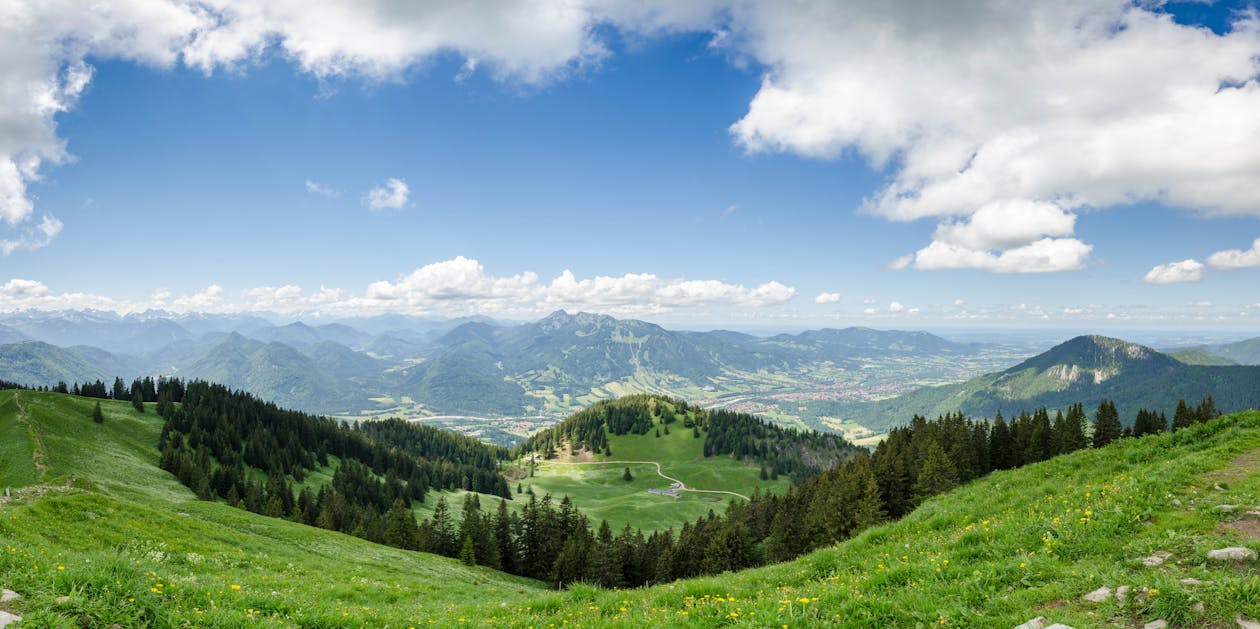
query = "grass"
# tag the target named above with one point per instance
(127, 544)
(996, 552)
(601, 493)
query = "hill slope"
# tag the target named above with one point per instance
(93, 518)
(996, 552)
(1085, 369)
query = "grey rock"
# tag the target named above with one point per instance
(7, 619)
(1156, 624)
(1097, 596)
(1176, 502)
(1193, 581)
(1156, 559)
(1122, 595)
(1233, 553)
(1036, 623)
(1243, 623)
(62, 600)
(1058, 625)
(9, 595)
(1199, 608)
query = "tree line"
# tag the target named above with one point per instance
(222, 444)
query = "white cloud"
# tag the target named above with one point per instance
(391, 195)
(1201, 304)
(1045, 255)
(1002, 120)
(896, 307)
(1236, 258)
(960, 302)
(1175, 272)
(322, 190)
(32, 237)
(19, 288)
(205, 300)
(827, 298)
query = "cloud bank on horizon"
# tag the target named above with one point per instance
(1000, 122)
(460, 286)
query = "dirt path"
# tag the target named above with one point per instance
(681, 485)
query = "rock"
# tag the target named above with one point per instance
(1193, 581)
(1233, 553)
(1199, 608)
(1058, 625)
(1156, 624)
(7, 619)
(1176, 502)
(1122, 595)
(1252, 513)
(1097, 596)
(1226, 508)
(1243, 623)
(1035, 623)
(62, 600)
(9, 595)
(1156, 559)
(1218, 488)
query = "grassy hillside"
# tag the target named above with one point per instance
(94, 519)
(596, 485)
(1200, 356)
(1000, 551)
(129, 546)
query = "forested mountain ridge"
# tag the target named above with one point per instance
(1084, 369)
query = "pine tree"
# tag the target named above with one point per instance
(626, 476)
(937, 475)
(1106, 424)
(1182, 417)
(401, 530)
(467, 554)
(97, 415)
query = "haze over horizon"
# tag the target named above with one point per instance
(727, 163)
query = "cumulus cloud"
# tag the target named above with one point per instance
(998, 120)
(1175, 272)
(391, 195)
(827, 298)
(896, 307)
(1236, 258)
(205, 300)
(462, 285)
(1005, 119)
(1045, 255)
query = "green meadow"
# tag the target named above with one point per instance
(96, 535)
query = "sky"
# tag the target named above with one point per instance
(710, 163)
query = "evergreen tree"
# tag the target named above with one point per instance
(442, 541)
(1106, 424)
(937, 474)
(97, 415)
(401, 530)
(626, 476)
(1182, 417)
(467, 554)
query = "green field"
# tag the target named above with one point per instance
(601, 493)
(129, 545)
(124, 543)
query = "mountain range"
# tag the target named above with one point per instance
(1085, 369)
(474, 366)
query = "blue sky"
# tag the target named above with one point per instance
(727, 166)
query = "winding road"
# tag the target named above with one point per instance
(681, 485)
